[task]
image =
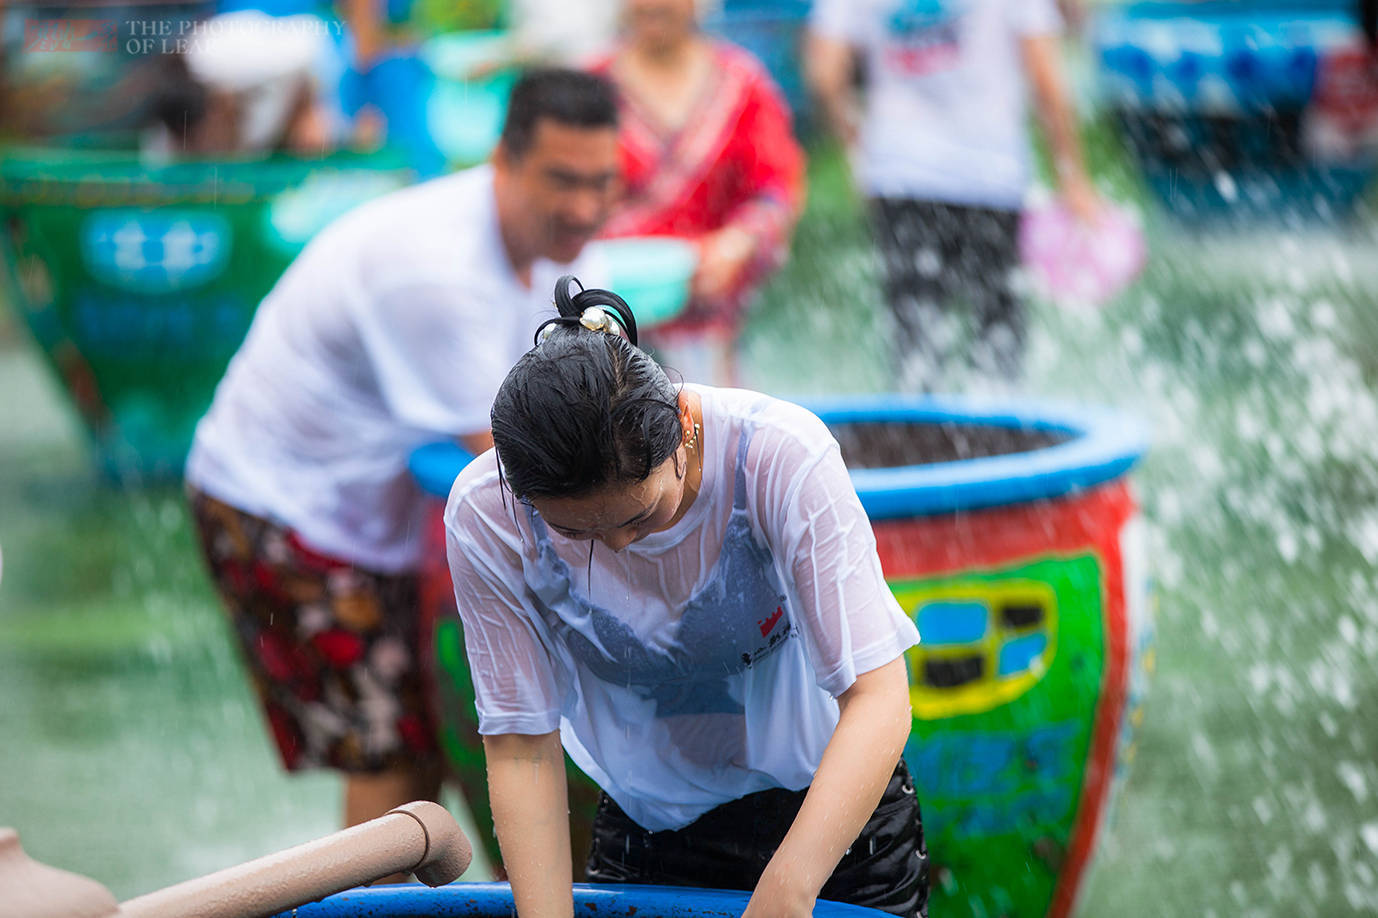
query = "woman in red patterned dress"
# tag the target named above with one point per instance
(708, 154)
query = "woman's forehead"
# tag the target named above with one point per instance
(610, 506)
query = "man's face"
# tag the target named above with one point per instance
(562, 188)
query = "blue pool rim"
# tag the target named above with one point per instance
(1102, 446)
(494, 900)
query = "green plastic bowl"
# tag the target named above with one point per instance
(651, 273)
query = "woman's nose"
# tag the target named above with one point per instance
(619, 539)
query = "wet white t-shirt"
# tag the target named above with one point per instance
(700, 663)
(946, 109)
(393, 328)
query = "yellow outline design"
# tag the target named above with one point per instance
(990, 690)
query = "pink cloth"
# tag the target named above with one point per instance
(1077, 263)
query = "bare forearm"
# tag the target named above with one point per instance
(856, 766)
(364, 20)
(526, 783)
(829, 67)
(1054, 107)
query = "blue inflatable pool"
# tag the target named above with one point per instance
(494, 900)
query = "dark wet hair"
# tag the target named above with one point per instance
(178, 101)
(571, 97)
(583, 408)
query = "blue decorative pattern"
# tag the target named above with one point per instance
(155, 251)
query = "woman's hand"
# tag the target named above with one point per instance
(1081, 198)
(723, 256)
(828, 64)
(778, 896)
(872, 726)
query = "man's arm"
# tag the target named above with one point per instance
(857, 764)
(526, 785)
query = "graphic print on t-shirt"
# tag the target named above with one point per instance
(924, 36)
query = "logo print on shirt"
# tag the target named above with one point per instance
(768, 623)
(924, 36)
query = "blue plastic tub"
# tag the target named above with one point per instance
(1095, 447)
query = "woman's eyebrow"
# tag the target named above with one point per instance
(636, 519)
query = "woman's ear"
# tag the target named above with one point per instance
(686, 417)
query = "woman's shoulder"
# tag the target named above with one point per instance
(735, 60)
(477, 498)
(777, 427)
(600, 62)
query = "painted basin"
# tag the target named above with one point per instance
(1009, 531)
(494, 900)
(1260, 108)
(138, 282)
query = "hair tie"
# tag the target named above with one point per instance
(596, 318)
(605, 312)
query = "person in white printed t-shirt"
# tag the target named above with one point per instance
(942, 152)
(394, 327)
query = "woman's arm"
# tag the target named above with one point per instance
(526, 784)
(1055, 114)
(754, 238)
(857, 764)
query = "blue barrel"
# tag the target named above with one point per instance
(494, 900)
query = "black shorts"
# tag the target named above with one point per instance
(729, 846)
(949, 280)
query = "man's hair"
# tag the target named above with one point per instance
(570, 97)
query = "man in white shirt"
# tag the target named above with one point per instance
(394, 327)
(942, 152)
